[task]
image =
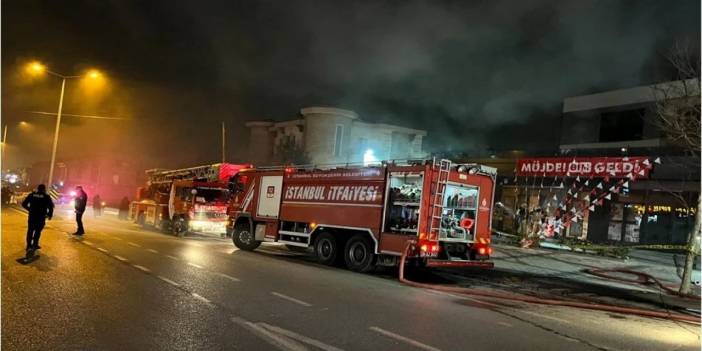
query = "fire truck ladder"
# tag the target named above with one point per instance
(437, 202)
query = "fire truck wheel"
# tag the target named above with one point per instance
(359, 255)
(326, 249)
(243, 238)
(180, 226)
(165, 226)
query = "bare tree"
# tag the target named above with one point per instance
(677, 113)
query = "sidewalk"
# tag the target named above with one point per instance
(560, 274)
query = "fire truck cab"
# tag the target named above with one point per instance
(438, 213)
(191, 199)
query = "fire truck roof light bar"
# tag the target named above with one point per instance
(401, 162)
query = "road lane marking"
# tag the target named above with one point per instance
(547, 317)
(291, 299)
(195, 265)
(152, 251)
(228, 277)
(505, 324)
(201, 298)
(133, 244)
(277, 340)
(316, 343)
(120, 258)
(173, 257)
(141, 268)
(442, 293)
(88, 242)
(168, 281)
(103, 250)
(414, 343)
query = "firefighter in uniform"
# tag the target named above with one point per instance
(39, 205)
(81, 201)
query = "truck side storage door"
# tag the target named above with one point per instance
(269, 196)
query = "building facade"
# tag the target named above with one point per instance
(325, 135)
(614, 127)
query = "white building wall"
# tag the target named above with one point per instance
(316, 131)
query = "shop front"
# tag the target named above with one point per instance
(600, 199)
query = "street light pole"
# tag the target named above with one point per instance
(4, 143)
(224, 143)
(56, 133)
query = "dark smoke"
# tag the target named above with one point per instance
(478, 75)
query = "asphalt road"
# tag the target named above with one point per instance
(124, 288)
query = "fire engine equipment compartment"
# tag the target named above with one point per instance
(404, 202)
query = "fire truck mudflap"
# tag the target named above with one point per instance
(366, 216)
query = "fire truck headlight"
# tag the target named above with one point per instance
(482, 251)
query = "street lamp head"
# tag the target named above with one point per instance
(94, 74)
(35, 68)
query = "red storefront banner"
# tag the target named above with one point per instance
(616, 167)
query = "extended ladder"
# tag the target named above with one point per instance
(437, 202)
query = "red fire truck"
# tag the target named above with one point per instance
(365, 216)
(181, 200)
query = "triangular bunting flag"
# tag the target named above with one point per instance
(657, 160)
(577, 179)
(555, 198)
(608, 196)
(626, 184)
(600, 202)
(630, 176)
(574, 219)
(567, 174)
(569, 193)
(599, 186)
(592, 208)
(641, 172)
(646, 162)
(616, 190)
(611, 188)
(562, 185)
(575, 195)
(587, 182)
(587, 198)
(625, 159)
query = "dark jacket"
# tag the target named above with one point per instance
(81, 201)
(124, 205)
(39, 206)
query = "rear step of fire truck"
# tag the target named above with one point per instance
(437, 216)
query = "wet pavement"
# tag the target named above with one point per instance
(125, 288)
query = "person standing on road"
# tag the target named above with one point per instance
(81, 201)
(97, 206)
(124, 208)
(40, 207)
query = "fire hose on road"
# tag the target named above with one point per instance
(527, 299)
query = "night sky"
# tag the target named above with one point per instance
(478, 75)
